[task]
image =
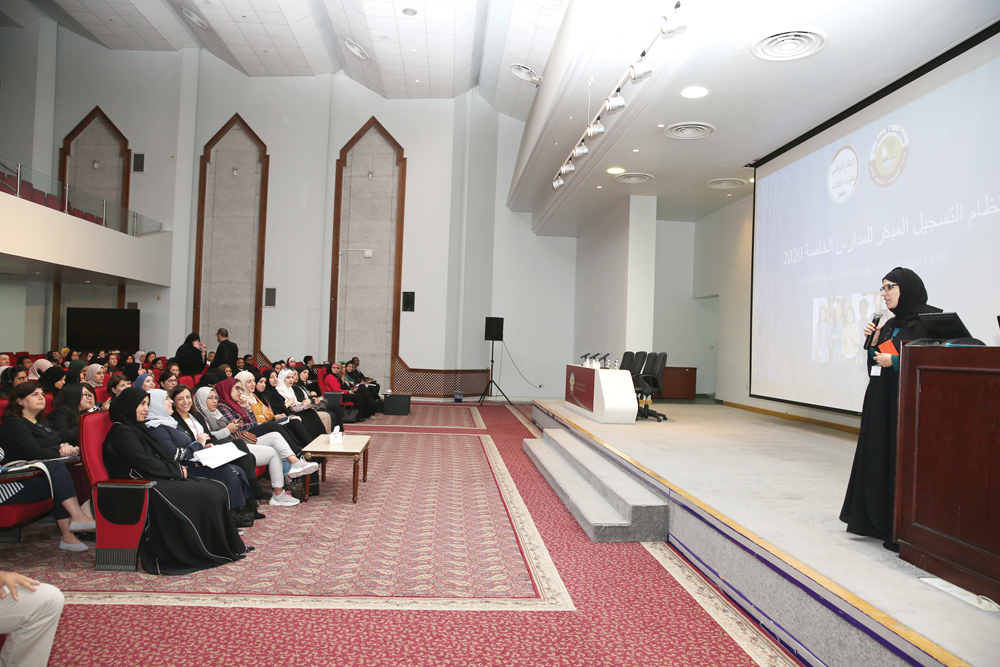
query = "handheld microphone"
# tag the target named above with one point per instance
(871, 339)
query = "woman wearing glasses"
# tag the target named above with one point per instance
(868, 506)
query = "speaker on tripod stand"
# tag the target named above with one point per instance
(494, 333)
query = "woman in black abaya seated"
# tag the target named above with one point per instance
(191, 525)
(868, 506)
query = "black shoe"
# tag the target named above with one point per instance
(257, 515)
(243, 518)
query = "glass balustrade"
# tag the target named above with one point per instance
(32, 185)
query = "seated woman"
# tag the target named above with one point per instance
(174, 442)
(113, 361)
(148, 360)
(227, 369)
(145, 382)
(38, 368)
(269, 449)
(53, 380)
(190, 524)
(307, 391)
(261, 410)
(233, 406)
(94, 376)
(309, 420)
(168, 381)
(132, 371)
(354, 374)
(75, 400)
(75, 370)
(157, 364)
(280, 389)
(337, 381)
(116, 385)
(28, 437)
(10, 377)
(298, 402)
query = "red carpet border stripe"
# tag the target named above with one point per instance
(629, 610)
(435, 415)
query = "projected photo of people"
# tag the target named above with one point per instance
(838, 327)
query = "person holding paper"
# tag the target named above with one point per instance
(163, 427)
(190, 524)
(869, 503)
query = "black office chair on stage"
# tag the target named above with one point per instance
(626, 360)
(651, 384)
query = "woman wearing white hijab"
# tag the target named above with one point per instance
(38, 368)
(286, 379)
(269, 449)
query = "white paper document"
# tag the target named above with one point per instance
(213, 457)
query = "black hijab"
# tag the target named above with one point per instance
(912, 296)
(211, 378)
(131, 371)
(49, 378)
(122, 412)
(270, 394)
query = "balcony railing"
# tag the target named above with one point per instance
(46, 191)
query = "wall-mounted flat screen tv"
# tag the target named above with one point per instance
(95, 329)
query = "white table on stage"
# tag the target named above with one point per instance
(603, 394)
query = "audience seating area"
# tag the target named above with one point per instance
(8, 185)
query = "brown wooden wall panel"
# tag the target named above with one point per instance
(948, 465)
(678, 382)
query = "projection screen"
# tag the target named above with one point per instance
(912, 180)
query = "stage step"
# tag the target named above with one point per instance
(609, 504)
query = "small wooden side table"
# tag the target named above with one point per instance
(353, 447)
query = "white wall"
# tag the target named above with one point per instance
(13, 301)
(684, 327)
(602, 283)
(534, 286)
(27, 68)
(722, 265)
(641, 273)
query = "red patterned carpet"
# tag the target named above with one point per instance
(435, 415)
(627, 608)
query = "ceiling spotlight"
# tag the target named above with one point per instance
(558, 183)
(614, 103)
(616, 170)
(640, 69)
(567, 167)
(595, 129)
(409, 11)
(673, 24)
(694, 92)
(599, 187)
(96, 164)
(580, 151)
(661, 125)
(356, 49)
(751, 180)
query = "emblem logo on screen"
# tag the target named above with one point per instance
(842, 177)
(889, 155)
(572, 382)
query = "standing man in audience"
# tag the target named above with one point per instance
(29, 615)
(227, 352)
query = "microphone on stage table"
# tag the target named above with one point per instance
(585, 355)
(594, 355)
(871, 339)
(604, 356)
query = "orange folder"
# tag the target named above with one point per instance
(888, 348)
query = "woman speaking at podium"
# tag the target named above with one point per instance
(868, 506)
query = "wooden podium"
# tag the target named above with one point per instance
(948, 465)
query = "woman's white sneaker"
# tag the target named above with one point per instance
(284, 499)
(303, 467)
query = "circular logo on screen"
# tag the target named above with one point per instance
(889, 154)
(842, 176)
(572, 382)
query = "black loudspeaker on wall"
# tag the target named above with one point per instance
(494, 328)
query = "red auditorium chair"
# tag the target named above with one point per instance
(53, 202)
(197, 378)
(187, 381)
(3, 405)
(90, 217)
(38, 196)
(120, 505)
(99, 221)
(26, 189)
(156, 373)
(320, 374)
(14, 517)
(101, 393)
(49, 398)
(23, 354)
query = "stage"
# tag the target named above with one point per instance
(754, 504)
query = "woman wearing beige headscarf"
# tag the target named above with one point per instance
(94, 376)
(38, 368)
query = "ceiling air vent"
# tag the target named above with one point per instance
(790, 45)
(726, 183)
(194, 18)
(356, 49)
(634, 178)
(689, 130)
(525, 73)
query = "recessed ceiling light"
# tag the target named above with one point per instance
(194, 18)
(413, 50)
(616, 170)
(790, 45)
(86, 281)
(740, 46)
(694, 92)
(635, 150)
(751, 180)
(661, 125)
(599, 187)
(409, 11)
(356, 49)
(417, 80)
(730, 194)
